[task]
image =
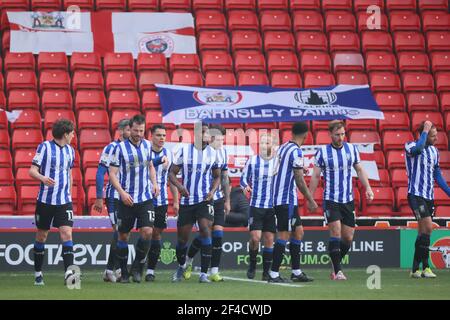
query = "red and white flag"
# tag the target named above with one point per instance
(102, 32)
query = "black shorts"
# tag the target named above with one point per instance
(47, 215)
(421, 207)
(142, 212)
(262, 219)
(112, 207)
(189, 215)
(287, 217)
(161, 217)
(219, 212)
(344, 212)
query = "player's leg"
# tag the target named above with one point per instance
(268, 239)
(425, 229)
(253, 249)
(125, 222)
(333, 219)
(155, 245)
(217, 236)
(108, 275)
(205, 217)
(186, 219)
(63, 220)
(347, 227)
(43, 220)
(193, 249)
(283, 230)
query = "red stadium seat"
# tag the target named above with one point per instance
(87, 5)
(447, 122)
(383, 202)
(272, 5)
(56, 99)
(399, 178)
(413, 61)
(210, 20)
(213, 40)
(380, 61)
(348, 61)
(52, 115)
(442, 140)
(207, 4)
(26, 138)
(400, 5)
(435, 21)
(91, 157)
(23, 99)
(91, 80)
(184, 62)
(90, 99)
(307, 20)
(249, 61)
(54, 79)
(90, 174)
(21, 79)
(350, 77)
(46, 5)
(121, 80)
(394, 121)
(419, 116)
(404, 21)
(314, 79)
(5, 155)
(23, 158)
(433, 5)
(425, 101)
(396, 159)
(220, 79)
(3, 120)
(444, 159)
(24, 5)
(143, 5)
(317, 125)
(118, 115)
(8, 199)
(153, 117)
(73, 143)
(304, 5)
(6, 177)
(384, 81)
(395, 140)
(187, 78)
(440, 198)
(442, 81)
(52, 60)
(111, 5)
(118, 62)
(286, 79)
(376, 40)
(311, 40)
(121, 99)
(275, 21)
(315, 61)
(367, 22)
(340, 21)
(365, 137)
(390, 101)
(4, 141)
(252, 78)
(94, 138)
(216, 60)
(242, 20)
(438, 41)
(282, 61)
(318, 197)
(336, 5)
(28, 119)
(246, 39)
(22, 61)
(445, 101)
(240, 4)
(279, 40)
(150, 100)
(344, 41)
(409, 41)
(175, 5)
(151, 61)
(321, 137)
(93, 119)
(85, 61)
(147, 79)
(417, 81)
(440, 61)
(6, 38)
(384, 181)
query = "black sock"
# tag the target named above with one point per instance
(67, 251)
(153, 254)
(334, 248)
(345, 247)
(39, 252)
(294, 249)
(278, 252)
(142, 246)
(267, 259)
(181, 253)
(216, 248)
(112, 253)
(195, 247)
(206, 254)
(253, 257)
(425, 250)
(417, 254)
(122, 256)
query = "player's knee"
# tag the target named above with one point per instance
(41, 236)
(65, 234)
(146, 233)
(156, 235)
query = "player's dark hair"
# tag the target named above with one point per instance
(218, 127)
(335, 124)
(299, 128)
(138, 119)
(156, 127)
(61, 127)
(422, 126)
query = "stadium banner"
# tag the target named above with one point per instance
(182, 104)
(439, 238)
(370, 247)
(102, 32)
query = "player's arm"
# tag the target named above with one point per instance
(301, 185)
(176, 197)
(245, 179)
(71, 181)
(362, 175)
(174, 170)
(153, 179)
(126, 198)
(417, 147)
(440, 180)
(36, 164)
(225, 184)
(215, 184)
(99, 183)
(315, 178)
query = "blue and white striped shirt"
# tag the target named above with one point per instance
(420, 169)
(55, 162)
(336, 165)
(105, 160)
(289, 157)
(162, 177)
(196, 171)
(222, 159)
(259, 173)
(133, 163)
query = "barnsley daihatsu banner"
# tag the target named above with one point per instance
(102, 32)
(182, 104)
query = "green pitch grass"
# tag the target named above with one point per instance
(395, 284)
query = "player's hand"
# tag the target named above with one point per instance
(247, 191)
(369, 195)
(210, 196)
(312, 206)
(176, 208)
(156, 191)
(305, 171)
(126, 199)
(49, 182)
(427, 126)
(227, 207)
(184, 192)
(98, 205)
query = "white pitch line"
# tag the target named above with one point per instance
(258, 281)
